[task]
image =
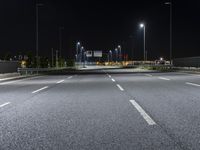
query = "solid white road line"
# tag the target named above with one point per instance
(162, 78)
(40, 89)
(2, 105)
(148, 75)
(120, 87)
(60, 81)
(194, 84)
(146, 117)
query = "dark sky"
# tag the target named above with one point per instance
(101, 25)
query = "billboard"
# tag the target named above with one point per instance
(88, 53)
(97, 53)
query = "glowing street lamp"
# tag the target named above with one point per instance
(142, 25)
(77, 47)
(110, 55)
(116, 54)
(120, 52)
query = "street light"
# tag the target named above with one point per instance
(120, 52)
(110, 55)
(81, 53)
(84, 54)
(143, 26)
(116, 54)
(37, 33)
(170, 26)
(77, 47)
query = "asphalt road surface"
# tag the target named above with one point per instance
(107, 111)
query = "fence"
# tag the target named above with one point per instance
(187, 62)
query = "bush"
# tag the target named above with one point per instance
(70, 63)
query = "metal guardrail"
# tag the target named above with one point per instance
(39, 70)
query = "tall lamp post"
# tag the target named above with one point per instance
(37, 34)
(81, 54)
(170, 26)
(77, 47)
(116, 54)
(60, 40)
(142, 25)
(120, 53)
(110, 52)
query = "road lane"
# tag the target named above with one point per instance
(174, 105)
(17, 91)
(86, 112)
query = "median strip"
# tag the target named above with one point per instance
(162, 78)
(146, 117)
(2, 105)
(120, 87)
(40, 89)
(194, 84)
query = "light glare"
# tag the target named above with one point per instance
(141, 25)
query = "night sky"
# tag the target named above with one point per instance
(100, 25)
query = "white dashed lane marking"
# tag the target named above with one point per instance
(162, 78)
(40, 89)
(194, 84)
(146, 117)
(120, 87)
(2, 105)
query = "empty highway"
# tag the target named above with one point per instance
(101, 111)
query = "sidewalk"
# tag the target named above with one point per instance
(95, 67)
(10, 76)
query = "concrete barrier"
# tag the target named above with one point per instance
(9, 66)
